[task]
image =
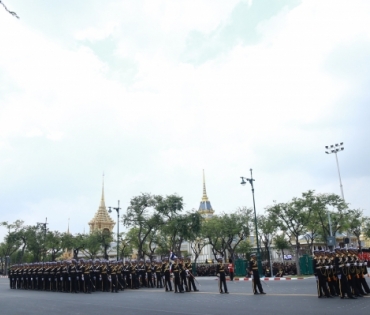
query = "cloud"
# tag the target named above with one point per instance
(115, 93)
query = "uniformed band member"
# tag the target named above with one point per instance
(176, 270)
(188, 268)
(220, 270)
(340, 273)
(166, 271)
(253, 270)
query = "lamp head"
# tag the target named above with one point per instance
(110, 210)
(243, 181)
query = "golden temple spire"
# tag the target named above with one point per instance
(102, 201)
(205, 197)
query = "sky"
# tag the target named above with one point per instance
(151, 92)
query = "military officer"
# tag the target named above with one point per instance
(253, 270)
(220, 270)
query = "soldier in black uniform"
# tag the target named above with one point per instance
(183, 276)
(66, 286)
(363, 272)
(176, 273)
(158, 274)
(253, 270)
(126, 274)
(220, 271)
(166, 271)
(134, 275)
(190, 276)
(148, 272)
(342, 273)
(73, 276)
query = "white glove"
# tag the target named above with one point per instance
(61, 278)
(82, 278)
(348, 265)
(42, 279)
(360, 264)
(326, 267)
(69, 278)
(31, 279)
(331, 266)
(339, 277)
(252, 277)
(49, 279)
(94, 278)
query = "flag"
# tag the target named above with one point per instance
(172, 256)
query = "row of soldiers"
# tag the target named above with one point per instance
(340, 273)
(101, 275)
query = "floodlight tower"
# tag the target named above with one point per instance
(335, 148)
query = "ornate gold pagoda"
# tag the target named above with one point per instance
(102, 221)
(205, 207)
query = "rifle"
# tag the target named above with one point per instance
(194, 278)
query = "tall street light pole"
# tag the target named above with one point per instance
(335, 148)
(117, 209)
(251, 180)
(43, 225)
(330, 149)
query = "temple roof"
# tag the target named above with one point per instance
(205, 204)
(102, 216)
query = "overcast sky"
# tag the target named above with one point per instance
(152, 92)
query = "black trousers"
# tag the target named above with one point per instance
(167, 281)
(159, 280)
(149, 279)
(222, 281)
(344, 286)
(177, 280)
(256, 282)
(191, 283)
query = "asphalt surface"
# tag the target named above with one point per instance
(283, 297)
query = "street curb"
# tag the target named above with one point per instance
(271, 279)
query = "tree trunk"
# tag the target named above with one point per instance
(297, 259)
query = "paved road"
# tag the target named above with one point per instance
(283, 297)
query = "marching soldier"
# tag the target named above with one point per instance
(342, 273)
(220, 270)
(148, 271)
(363, 267)
(158, 274)
(134, 275)
(176, 273)
(183, 275)
(253, 270)
(190, 276)
(166, 271)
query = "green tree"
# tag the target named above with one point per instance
(281, 243)
(357, 223)
(267, 228)
(335, 206)
(92, 244)
(244, 248)
(212, 231)
(54, 243)
(147, 213)
(293, 218)
(235, 228)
